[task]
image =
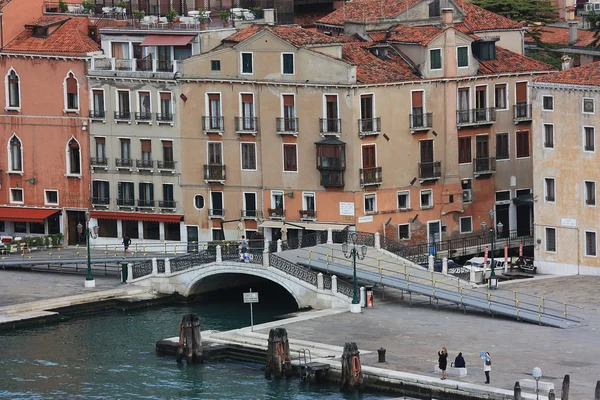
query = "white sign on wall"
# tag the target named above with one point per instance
(346, 208)
(366, 218)
(568, 222)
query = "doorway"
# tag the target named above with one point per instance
(73, 219)
(502, 215)
(524, 213)
(192, 238)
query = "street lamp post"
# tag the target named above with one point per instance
(537, 374)
(93, 233)
(493, 281)
(353, 252)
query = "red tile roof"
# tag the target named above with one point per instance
(560, 36)
(415, 34)
(372, 69)
(588, 75)
(243, 34)
(479, 19)
(507, 61)
(68, 39)
(295, 35)
(3, 3)
(307, 19)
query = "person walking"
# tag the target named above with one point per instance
(244, 245)
(487, 366)
(443, 361)
(126, 243)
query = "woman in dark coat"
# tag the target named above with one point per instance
(443, 361)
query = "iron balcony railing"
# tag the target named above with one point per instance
(101, 114)
(276, 212)
(286, 126)
(213, 124)
(126, 202)
(370, 176)
(330, 126)
(246, 124)
(250, 214)
(123, 162)
(214, 172)
(100, 201)
(522, 112)
(146, 203)
(123, 115)
(310, 215)
(167, 204)
(332, 178)
(164, 117)
(484, 165)
(476, 116)
(170, 165)
(423, 121)
(430, 170)
(216, 212)
(143, 116)
(98, 161)
(144, 164)
(369, 126)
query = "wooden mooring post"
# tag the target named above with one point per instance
(190, 340)
(517, 391)
(564, 394)
(278, 354)
(352, 378)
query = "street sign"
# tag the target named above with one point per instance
(251, 297)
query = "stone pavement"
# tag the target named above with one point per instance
(412, 337)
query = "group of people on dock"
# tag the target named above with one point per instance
(459, 362)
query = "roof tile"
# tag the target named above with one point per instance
(415, 34)
(560, 36)
(507, 61)
(372, 69)
(293, 34)
(587, 75)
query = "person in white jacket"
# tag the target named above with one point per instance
(487, 366)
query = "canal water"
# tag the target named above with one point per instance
(112, 356)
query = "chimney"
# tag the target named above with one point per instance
(573, 31)
(570, 13)
(447, 16)
(566, 62)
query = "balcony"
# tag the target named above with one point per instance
(98, 115)
(484, 166)
(123, 116)
(334, 179)
(216, 213)
(246, 125)
(100, 201)
(104, 65)
(420, 122)
(475, 117)
(287, 126)
(330, 126)
(430, 171)
(168, 166)
(276, 213)
(124, 163)
(162, 118)
(213, 125)
(521, 112)
(145, 165)
(370, 176)
(369, 127)
(251, 214)
(143, 203)
(143, 117)
(126, 202)
(214, 173)
(167, 204)
(308, 215)
(99, 162)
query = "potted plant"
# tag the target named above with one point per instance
(257, 11)
(62, 6)
(225, 15)
(139, 15)
(88, 6)
(170, 15)
(202, 18)
(122, 4)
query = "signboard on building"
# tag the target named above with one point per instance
(346, 208)
(568, 222)
(366, 218)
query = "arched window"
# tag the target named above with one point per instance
(73, 157)
(13, 90)
(15, 155)
(71, 92)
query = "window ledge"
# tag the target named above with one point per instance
(71, 111)
(165, 123)
(17, 202)
(51, 204)
(78, 176)
(426, 207)
(405, 209)
(15, 173)
(18, 109)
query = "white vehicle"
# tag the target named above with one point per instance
(482, 273)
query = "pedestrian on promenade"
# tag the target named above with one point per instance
(443, 361)
(126, 243)
(459, 362)
(244, 245)
(487, 366)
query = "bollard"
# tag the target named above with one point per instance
(154, 266)
(431, 263)
(517, 391)
(551, 395)
(381, 354)
(377, 241)
(218, 257)
(597, 391)
(564, 394)
(279, 245)
(363, 297)
(329, 236)
(320, 281)
(445, 266)
(333, 284)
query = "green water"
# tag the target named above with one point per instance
(112, 356)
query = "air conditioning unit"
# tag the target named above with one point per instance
(467, 196)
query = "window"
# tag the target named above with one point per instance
(167, 149)
(547, 103)
(216, 204)
(98, 109)
(146, 194)
(168, 196)
(215, 120)
(172, 231)
(100, 193)
(151, 230)
(131, 229)
(247, 64)
(590, 193)
(418, 109)
(166, 106)
(549, 190)
(144, 106)
(199, 201)
(146, 145)
(549, 136)
(215, 65)
(308, 201)
(36, 227)
(368, 156)
(589, 139)
(20, 227)
(403, 231)
(590, 243)
(51, 197)
(289, 113)
(486, 51)
(16, 195)
(249, 156)
(370, 203)
(247, 123)
(522, 144)
(125, 151)
(426, 198)
(502, 146)
(15, 155)
(100, 149)
(480, 100)
(464, 149)
(550, 240)
(125, 194)
(289, 158)
(588, 105)
(404, 200)
(73, 158)
(434, 9)
(13, 90)
(502, 196)
(277, 200)
(71, 93)
(217, 235)
(287, 61)
(214, 153)
(366, 113)
(500, 97)
(250, 205)
(462, 55)
(435, 59)
(466, 224)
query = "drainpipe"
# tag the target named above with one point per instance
(1, 32)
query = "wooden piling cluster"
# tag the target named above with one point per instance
(278, 354)
(190, 340)
(352, 378)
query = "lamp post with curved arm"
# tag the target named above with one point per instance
(93, 233)
(352, 251)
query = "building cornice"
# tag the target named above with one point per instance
(44, 56)
(131, 79)
(565, 86)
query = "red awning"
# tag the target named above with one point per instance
(167, 40)
(129, 216)
(25, 214)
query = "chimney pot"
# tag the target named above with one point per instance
(573, 31)
(447, 16)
